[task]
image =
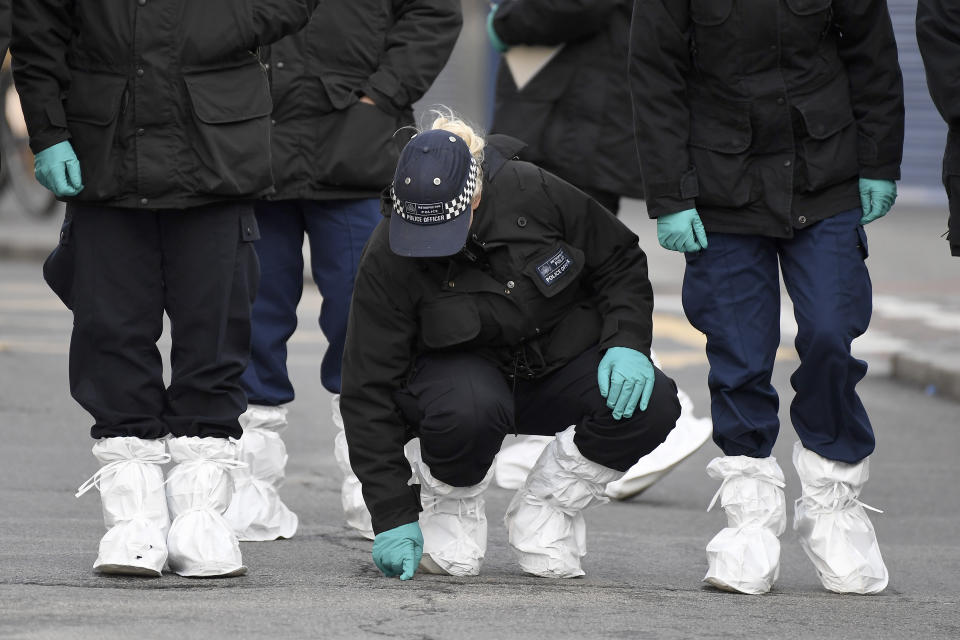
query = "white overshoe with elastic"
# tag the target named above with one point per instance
(453, 521)
(135, 513)
(351, 495)
(201, 542)
(256, 511)
(745, 556)
(833, 526)
(545, 521)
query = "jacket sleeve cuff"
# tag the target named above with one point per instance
(889, 172)
(623, 333)
(670, 197)
(393, 512)
(384, 89)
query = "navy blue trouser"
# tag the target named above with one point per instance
(337, 231)
(731, 292)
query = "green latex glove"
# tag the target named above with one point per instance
(681, 231)
(626, 378)
(495, 40)
(876, 198)
(397, 551)
(58, 169)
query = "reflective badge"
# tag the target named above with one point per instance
(554, 267)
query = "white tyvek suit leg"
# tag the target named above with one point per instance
(545, 518)
(833, 526)
(135, 513)
(453, 521)
(351, 495)
(256, 511)
(745, 556)
(201, 542)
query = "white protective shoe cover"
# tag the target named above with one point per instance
(351, 495)
(512, 465)
(256, 511)
(453, 521)
(745, 557)
(545, 521)
(683, 441)
(201, 542)
(832, 525)
(135, 513)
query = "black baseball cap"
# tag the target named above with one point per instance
(432, 193)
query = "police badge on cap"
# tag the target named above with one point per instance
(432, 193)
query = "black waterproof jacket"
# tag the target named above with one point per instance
(547, 274)
(164, 101)
(938, 33)
(763, 114)
(574, 114)
(328, 144)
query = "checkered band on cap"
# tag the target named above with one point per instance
(452, 208)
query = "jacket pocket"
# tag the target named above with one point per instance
(710, 13)
(720, 139)
(808, 7)
(829, 146)
(448, 322)
(231, 127)
(555, 269)
(93, 105)
(358, 147)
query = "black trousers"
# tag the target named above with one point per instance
(462, 407)
(119, 270)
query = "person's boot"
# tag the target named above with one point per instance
(545, 521)
(453, 521)
(351, 496)
(135, 513)
(745, 556)
(256, 511)
(201, 542)
(833, 526)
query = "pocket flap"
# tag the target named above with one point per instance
(808, 7)
(720, 128)
(230, 95)
(554, 270)
(825, 113)
(94, 97)
(710, 12)
(447, 322)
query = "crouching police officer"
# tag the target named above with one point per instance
(152, 120)
(494, 301)
(771, 132)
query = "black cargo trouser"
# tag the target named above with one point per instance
(119, 270)
(461, 406)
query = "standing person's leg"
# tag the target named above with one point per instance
(545, 520)
(828, 281)
(211, 275)
(731, 293)
(111, 258)
(338, 230)
(257, 512)
(461, 407)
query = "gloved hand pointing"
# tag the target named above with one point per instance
(397, 551)
(681, 231)
(625, 377)
(58, 169)
(876, 198)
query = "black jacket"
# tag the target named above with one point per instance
(327, 144)
(574, 114)
(938, 33)
(4, 28)
(764, 113)
(164, 101)
(549, 274)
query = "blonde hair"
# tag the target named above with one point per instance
(444, 118)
